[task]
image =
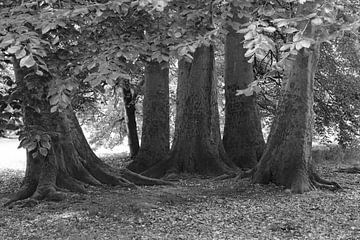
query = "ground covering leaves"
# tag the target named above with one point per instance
(194, 208)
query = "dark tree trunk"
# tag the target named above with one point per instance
(243, 139)
(70, 163)
(197, 146)
(130, 109)
(156, 129)
(287, 159)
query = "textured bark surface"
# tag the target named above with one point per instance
(156, 130)
(287, 158)
(243, 139)
(130, 110)
(197, 147)
(70, 165)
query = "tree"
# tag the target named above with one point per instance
(197, 147)
(130, 109)
(287, 158)
(155, 130)
(58, 155)
(243, 139)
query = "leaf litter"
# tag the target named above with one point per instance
(195, 208)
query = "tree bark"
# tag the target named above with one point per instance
(70, 165)
(130, 109)
(197, 146)
(287, 159)
(156, 130)
(243, 139)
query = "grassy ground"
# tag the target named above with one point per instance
(192, 209)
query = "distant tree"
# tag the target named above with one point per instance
(337, 102)
(155, 131)
(129, 98)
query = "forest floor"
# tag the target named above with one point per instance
(194, 208)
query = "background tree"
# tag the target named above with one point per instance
(155, 131)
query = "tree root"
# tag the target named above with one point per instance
(321, 183)
(142, 180)
(32, 195)
(25, 191)
(351, 170)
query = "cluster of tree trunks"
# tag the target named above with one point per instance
(197, 146)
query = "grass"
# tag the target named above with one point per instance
(195, 208)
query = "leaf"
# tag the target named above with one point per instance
(178, 34)
(269, 29)
(32, 146)
(6, 43)
(54, 108)
(20, 54)
(27, 61)
(182, 51)
(249, 35)
(43, 151)
(286, 47)
(91, 66)
(250, 52)
(54, 99)
(46, 28)
(45, 144)
(302, 44)
(280, 22)
(56, 40)
(13, 49)
(243, 30)
(316, 21)
(290, 30)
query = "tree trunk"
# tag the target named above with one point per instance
(197, 146)
(243, 139)
(130, 110)
(287, 159)
(70, 163)
(156, 129)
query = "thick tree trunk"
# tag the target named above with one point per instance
(243, 139)
(287, 159)
(130, 109)
(156, 130)
(197, 146)
(70, 164)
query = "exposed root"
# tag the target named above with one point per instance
(351, 170)
(225, 176)
(142, 180)
(69, 183)
(321, 183)
(25, 191)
